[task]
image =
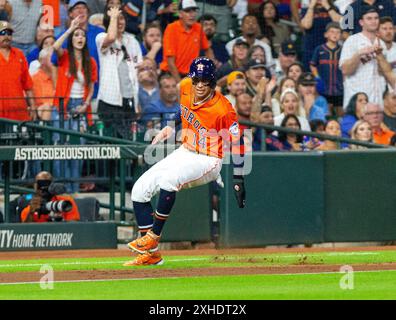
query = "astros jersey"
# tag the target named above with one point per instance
(205, 127)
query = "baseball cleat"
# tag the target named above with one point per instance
(146, 259)
(147, 243)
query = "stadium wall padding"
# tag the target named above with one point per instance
(190, 217)
(58, 236)
(300, 198)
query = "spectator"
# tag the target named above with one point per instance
(271, 29)
(77, 73)
(96, 20)
(257, 52)
(43, 31)
(291, 141)
(25, 17)
(236, 62)
(44, 83)
(317, 126)
(314, 22)
(287, 56)
(390, 109)
(166, 106)
(36, 210)
(325, 65)
(118, 89)
(221, 10)
(148, 83)
(244, 107)
(358, 7)
(209, 26)
(386, 33)
(286, 83)
(15, 80)
(358, 63)
(236, 85)
(289, 105)
(134, 14)
(255, 70)
(250, 31)
(47, 42)
(373, 114)
(5, 10)
(353, 112)
(272, 142)
(151, 45)
(79, 8)
(295, 70)
(315, 105)
(264, 89)
(183, 41)
(361, 131)
(332, 128)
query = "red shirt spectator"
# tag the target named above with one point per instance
(15, 81)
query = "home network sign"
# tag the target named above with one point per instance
(9, 239)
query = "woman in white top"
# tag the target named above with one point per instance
(289, 104)
(119, 55)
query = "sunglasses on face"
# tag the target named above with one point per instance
(6, 32)
(195, 81)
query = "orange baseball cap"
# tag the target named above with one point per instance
(233, 76)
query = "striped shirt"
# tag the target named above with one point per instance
(326, 60)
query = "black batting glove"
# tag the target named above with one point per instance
(239, 190)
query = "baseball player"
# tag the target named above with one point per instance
(209, 124)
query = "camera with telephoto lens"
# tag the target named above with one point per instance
(49, 189)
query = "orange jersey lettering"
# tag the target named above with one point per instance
(205, 127)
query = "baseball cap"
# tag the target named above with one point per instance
(5, 25)
(255, 63)
(187, 4)
(233, 76)
(288, 47)
(73, 3)
(239, 42)
(367, 9)
(307, 78)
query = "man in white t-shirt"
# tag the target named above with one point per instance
(358, 63)
(386, 32)
(119, 55)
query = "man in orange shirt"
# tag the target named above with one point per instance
(38, 211)
(183, 40)
(209, 125)
(15, 81)
(373, 114)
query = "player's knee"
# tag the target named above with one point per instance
(168, 184)
(139, 194)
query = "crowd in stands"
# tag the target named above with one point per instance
(316, 65)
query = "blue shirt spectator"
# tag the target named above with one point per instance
(384, 8)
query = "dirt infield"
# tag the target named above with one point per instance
(219, 268)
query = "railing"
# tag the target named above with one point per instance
(309, 134)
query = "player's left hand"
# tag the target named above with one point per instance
(239, 190)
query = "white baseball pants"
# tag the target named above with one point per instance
(180, 170)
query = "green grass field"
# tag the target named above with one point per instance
(325, 285)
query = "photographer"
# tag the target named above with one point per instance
(48, 203)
